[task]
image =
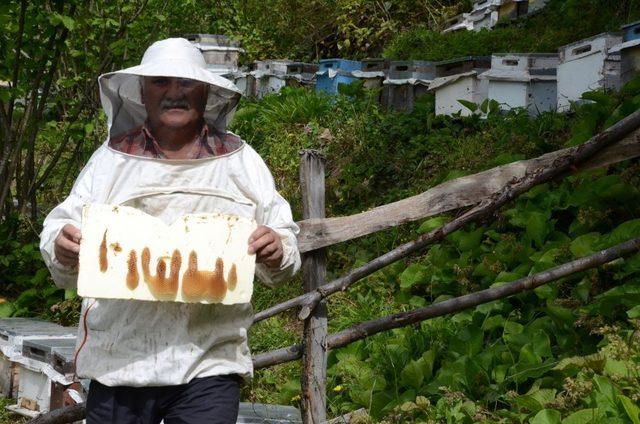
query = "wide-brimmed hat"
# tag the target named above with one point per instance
(173, 57)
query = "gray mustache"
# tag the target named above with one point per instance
(174, 104)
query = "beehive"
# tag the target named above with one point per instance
(523, 81)
(587, 65)
(335, 72)
(13, 333)
(458, 80)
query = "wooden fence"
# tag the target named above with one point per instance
(482, 193)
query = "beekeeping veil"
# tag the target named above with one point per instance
(173, 57)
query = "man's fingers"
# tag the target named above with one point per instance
(72, 233)
(260, 241)
(267, 246)
(274, 256)
(68, 245)
(259, 232)
(66, 258)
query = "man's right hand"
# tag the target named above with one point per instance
(67, 245)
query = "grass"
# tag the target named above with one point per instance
(7, 417)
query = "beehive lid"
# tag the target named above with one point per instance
(600, 43)
(462, 65)
(43, 349)
(14, 330)
(212, 39)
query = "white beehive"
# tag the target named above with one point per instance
(587, 65)
(484, 15)
(269, 76)
(13, 333)
(220, 52)
(458, 80)
(41, 387)
(523, 81)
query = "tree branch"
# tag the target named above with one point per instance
(485, 208)
(457, 304)
(16, 65)
(68, 414)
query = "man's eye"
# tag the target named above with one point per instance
(187, 82)
(160, 81)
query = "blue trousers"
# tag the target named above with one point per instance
(211, 400)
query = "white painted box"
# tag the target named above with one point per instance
(587, 65)
(523, 81)
(13, 333)
(458, 80)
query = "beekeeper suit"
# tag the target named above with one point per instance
(136, 343)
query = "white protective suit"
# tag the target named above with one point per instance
(137, 343)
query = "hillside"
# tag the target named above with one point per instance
(568, 352)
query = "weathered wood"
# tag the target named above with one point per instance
(68, 414)
(458, 193)
(516, 186)
(314, 373)
(457, 304)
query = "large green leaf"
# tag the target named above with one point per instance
(625, 231)
(432, 223)
(585, 416)
(6, 309)
(547, 416)
(412, 375)
(414, 274)
(585, 244)
(538, 227)
(631, 408)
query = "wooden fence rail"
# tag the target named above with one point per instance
(488, 191)
(457, 304)
(454, 194)
(559, 164)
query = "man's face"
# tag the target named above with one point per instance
(174, 102)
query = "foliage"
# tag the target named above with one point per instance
(561, 22)
(501, 362)
(564, 353)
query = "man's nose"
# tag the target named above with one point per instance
(174, 89)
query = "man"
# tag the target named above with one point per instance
(169, 154)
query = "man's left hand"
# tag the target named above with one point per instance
(267, 246)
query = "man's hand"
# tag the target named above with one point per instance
(267, 246)
(67, 245)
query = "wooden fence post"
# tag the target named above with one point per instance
(314, 372)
